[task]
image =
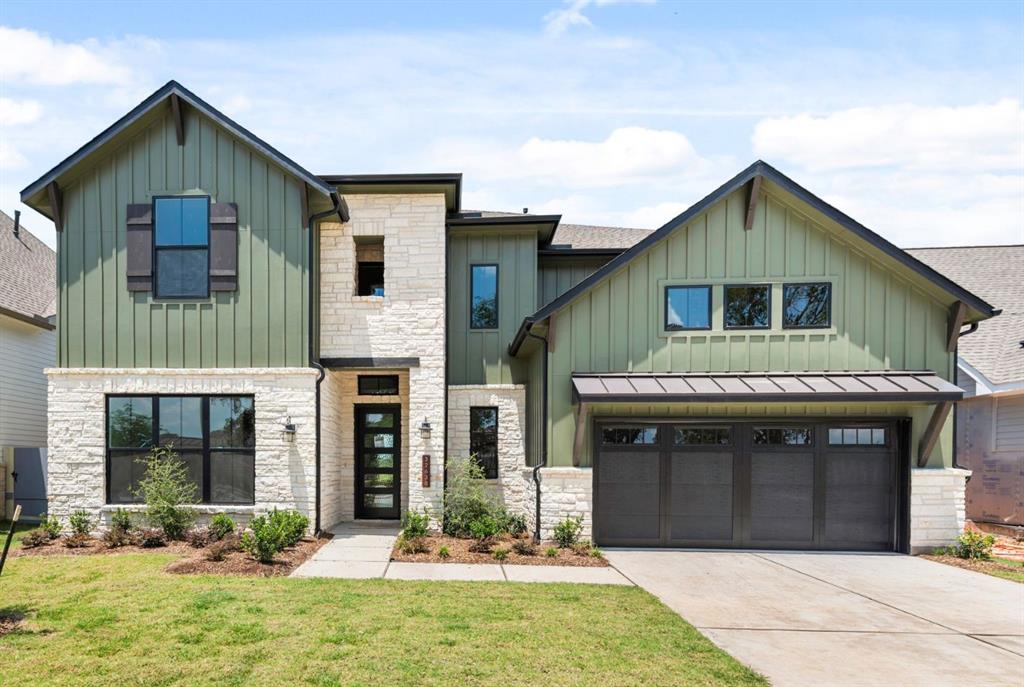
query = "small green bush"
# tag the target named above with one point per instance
(973, 545)
(51, 525)
(466, 498)
(443, 552)
(524, 547)
(221, 525)
(167, 492)
(415, 524)
(121, 521)
(152, 537)
(583, 547)
(115, 537)
(551, 552)
(410, 545)
(35, 538)
(567, 532)
(77, 541)
(265, 538)
(199, 537)
(511, 523)
(291, 523)
(81, 523)
(500, 554)
(218, 550)
(483, 530)
(596, 553)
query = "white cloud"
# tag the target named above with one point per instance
(28, 56)
(557, 22)
(10, 158)
(979, 137)
(653, 216)
(13, 112)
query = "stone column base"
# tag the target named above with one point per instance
(937, 507)
(565, 493)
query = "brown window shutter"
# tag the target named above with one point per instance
(223, 247)
(140, 247)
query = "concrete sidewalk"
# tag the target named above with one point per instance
(363, 551)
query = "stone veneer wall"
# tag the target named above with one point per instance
(937, 507)
(510, 400)
(408, 321)
(285, 470)
(339, 395)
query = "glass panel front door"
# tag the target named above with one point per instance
(378, 461)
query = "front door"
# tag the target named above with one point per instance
(378, 461)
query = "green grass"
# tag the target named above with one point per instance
(1016, 573)
(119, 619)
(19, 531)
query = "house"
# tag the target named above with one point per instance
(28, 344)
(990, 369)
(762, 371)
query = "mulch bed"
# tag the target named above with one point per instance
(976, 565)
(96, 547)
(11, 621)
(460, 553)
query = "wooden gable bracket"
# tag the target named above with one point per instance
(179, 118)
(753, 194)
(56, 204)
(932, 431)
(957, 313)
(578, 437)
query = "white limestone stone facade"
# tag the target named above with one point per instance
(565, 492)
(510, 400)
(938, 507)
(407, 322)
(285, 467)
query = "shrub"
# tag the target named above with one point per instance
(35, 538)
(567, 532)
(973, 545)
(116, 537)
(81, 523)
(410, 545)
(221, 525)
(265, 539)
(500, 554)
(551, 552)
(51, 525)
(291, 524)
(443, 552)
(466, 498)
(198, 537)
(582, 548)
(152, 537)
(524, 547)
(167, 492)
(596, 553)
(483, 530)
(511, 523)
(121, 520)
(415, 524)
(77, 541)
(218, 550)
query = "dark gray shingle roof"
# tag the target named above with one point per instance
(28, 273)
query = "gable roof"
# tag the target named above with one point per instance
(157, 99)
(996, 273)
(762, 169)
(28, 275)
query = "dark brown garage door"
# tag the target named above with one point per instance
(794, 484)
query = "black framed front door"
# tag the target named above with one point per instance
(378, 461)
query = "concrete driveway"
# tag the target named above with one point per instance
(835, 620)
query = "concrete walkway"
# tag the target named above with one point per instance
(843, 619)
(363, 550)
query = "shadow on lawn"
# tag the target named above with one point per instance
(12, 621)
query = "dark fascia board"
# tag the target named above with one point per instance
(159, 96)
(41, 322)
(369, 363)
(759, 168)
(547, 224)
(448, 183)
(577, 253)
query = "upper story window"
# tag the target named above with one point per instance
(369, 265)
(378, 385)
(483, 439)
(483, 302)
(687, 307)
(807, 305)
(748, 306)
(181, 247)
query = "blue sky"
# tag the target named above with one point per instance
(908, 116)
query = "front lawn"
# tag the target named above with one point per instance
(119, 619)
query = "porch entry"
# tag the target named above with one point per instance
(378, 461)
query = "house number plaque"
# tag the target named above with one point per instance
(425, 471)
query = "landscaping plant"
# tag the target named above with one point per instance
(51, 525)
(121, 520)
(567, 532)
(265, 538)
(35, 538)
(974, 546)
(81, 523)
(167, 492)
(221, 525)
(466, 498)
(511, 523)
(524, 547)
(415, 524)
(292, 523)
(152, 537)
(483, 530)
(551, 552)
(198, 537)
(500, 554)
(443, 552)
(409, 545)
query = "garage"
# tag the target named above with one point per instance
(800, 483)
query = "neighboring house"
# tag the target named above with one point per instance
(762, 371)
(990, 368)
(28, 345)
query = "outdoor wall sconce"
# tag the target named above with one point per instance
(425, 427)
(289, 430)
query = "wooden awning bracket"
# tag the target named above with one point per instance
(752, 198)
(579, 436)
(932, 432)
(957, 314)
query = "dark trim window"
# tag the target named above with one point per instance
(369, 266)
(783, 436)
(483, 439)
(856, 436)
(702, 436)
(806, 306)
(181, 246)
(748, 306)
(213, 435)
(483, 301)
(378, 385)
(629, 436)
(687, 307)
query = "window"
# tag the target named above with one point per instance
(856, 436)
(483, 439)
(702, 436)
(806, 305)
(213, 435)
(783, 436)
(370, 266)
(378, 385)
(181, 246)
(483, 302)
(687, 307)
(633, 436)
(748, 306)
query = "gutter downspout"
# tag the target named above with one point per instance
(544, 424)
(956, 406)
(314, 298)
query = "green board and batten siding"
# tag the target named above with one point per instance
(262, 324)
(882, 319)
